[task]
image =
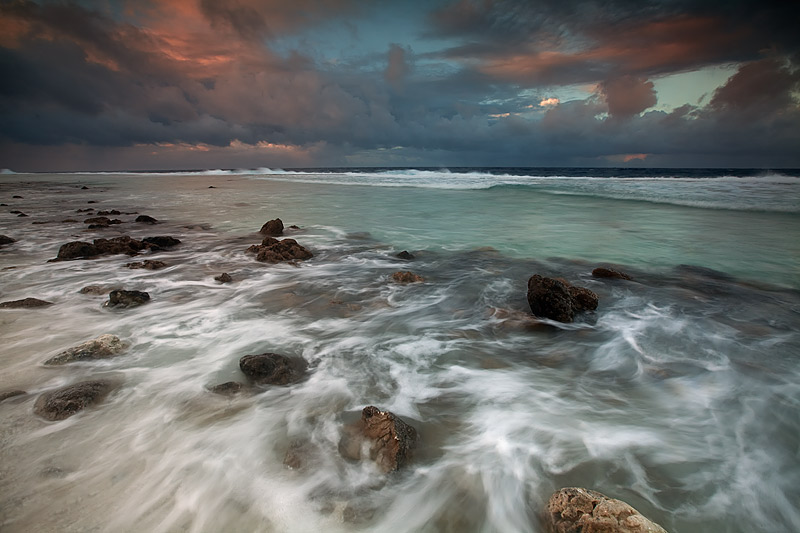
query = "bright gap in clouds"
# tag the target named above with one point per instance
(690, 87)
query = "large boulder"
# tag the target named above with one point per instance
(25, 303)
(272, 227)
(76, 250)
(388, 439)
(272, 368)
(557, 300)
(123, 298)
(65, 402)
(577, 510)
(274, 251)
(102, 347)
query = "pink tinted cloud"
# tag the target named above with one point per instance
(627, 95)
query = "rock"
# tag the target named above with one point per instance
(68, 220)
(119, 245)
(95, 289)
(107, 213)
(577, 510)
(557, 300)
(211, 187)
(144, 219)
(22, 215)
(147, 264)
(161, 241)
(65, 402)
(272, 369)
(123, 298)
(87, 210)
(388, 438)
(273, 227)
(228, 388)
(274, 251)
(408, 256)
(92, 202)
(406, 277)
(601, 272)
(16, 196)
(76, 250)
(6, 240)
(25, 303)
(301, 454)
(10, 394)
(102, 347)
(223, 278)
(84, 187)
(98, 221)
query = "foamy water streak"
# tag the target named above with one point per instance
(679, 395)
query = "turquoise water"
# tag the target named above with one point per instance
(679, 394)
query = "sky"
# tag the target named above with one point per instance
(207, 84)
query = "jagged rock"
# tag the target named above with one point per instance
(577, 510)
(557, 300)
(123, 298)
(274, 251)
(223, 278)
(228, 388)
(301, 454)
(6, 240)
(65, 402)
(102, 347)
(161, 241)
(145, 219)
(273, 227)
(272, 369)
(10, 394)
(147, 264)
(388, 438)
(406, 277)
(601, 272)
(25, 303)
(408, 256)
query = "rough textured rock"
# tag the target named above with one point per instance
(223, 278)
(145, 219)
(102, 347)
(388, 439)
(6, 240)
(147, 264)
(229, 388)
(406, 277)
(65, 402)
(274, 251)
(557, 300)
(273, 227)
(76, 250)
(601, 272)
(272, 368)
(161, 241)
(25, 303)
(117, 245)
(5, 395)
(123, 298)
(577, 510)
(101, 221)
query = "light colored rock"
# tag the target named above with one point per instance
(102, 347)
(578, 510)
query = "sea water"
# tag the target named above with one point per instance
(679, 395)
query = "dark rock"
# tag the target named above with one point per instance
(272, 368)
(102, 347)
(65, 402)
(107, 213)
(273, 227)
(123, 298)
(84, 187)
(601, 272)
(161, 241)
(223, 278)
(408, 256)
(577, 510)
(119, 245)
(76, 250)
(15, 212)
(228, 388)
(87, 210)
(557, 300)
(25, 304)
(68, 220)
(92, 202)
(389, 439)
(274, 251)
(211, 187)
(294, 226)
(147, 264)
(97, 220)
(406, 277)
(10, 394)
(6, 240)
(22, 215)
(16, 196)
(144, 219)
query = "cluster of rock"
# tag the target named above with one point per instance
(578, 510)
(117, 245)
(272, 250)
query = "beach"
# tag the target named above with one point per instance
(679, 394)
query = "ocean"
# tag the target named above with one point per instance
(679, 394)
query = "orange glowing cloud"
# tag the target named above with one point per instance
(549, 102)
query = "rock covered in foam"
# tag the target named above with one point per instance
(578, 510)
(102, 347)
(67, 401)
(388, 439)
(272, 368)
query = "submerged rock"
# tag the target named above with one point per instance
(11, 394)
(272, 227)
(272, 250)
(223, 278)
(577, 510)
(6, 240)
(601, 272)
(388, 439)
(408, 256)
(25, 303)
(406, 277)
(123, 298)
(161, 241)
(65, 402)
(272, 368)
(95, 289)
(147, 264)
(229, 388)
(102, 347)
(557, 300)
